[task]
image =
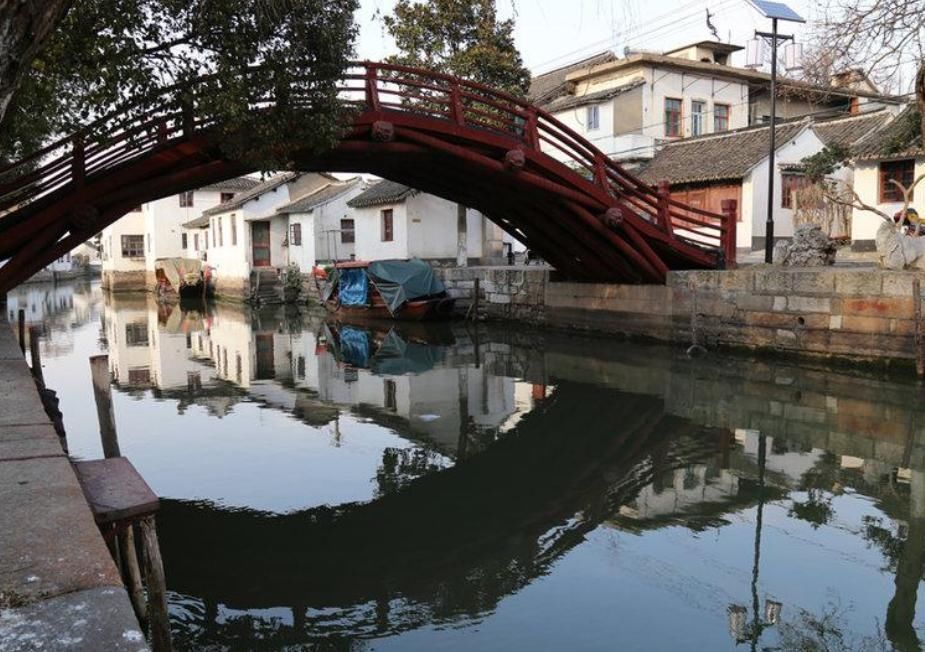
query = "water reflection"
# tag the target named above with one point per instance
(472, 487)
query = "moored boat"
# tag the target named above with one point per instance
(406, 290)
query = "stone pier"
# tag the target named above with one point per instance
(59, 588)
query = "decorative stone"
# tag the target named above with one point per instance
(514, 160)
(898, 250)
(383, 132)
(613, 217)
(810, 247)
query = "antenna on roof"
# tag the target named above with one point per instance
(711, 26)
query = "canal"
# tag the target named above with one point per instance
(466, 487)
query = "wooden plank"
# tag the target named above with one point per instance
(115, 490)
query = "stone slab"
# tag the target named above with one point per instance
(23, 442)
(115, 490)
(49, 544)
(85, 621)
(19, 401)
(9, 346)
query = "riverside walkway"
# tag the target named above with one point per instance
(59, 588)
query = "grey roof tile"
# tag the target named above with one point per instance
(383, 192)
(321, 196)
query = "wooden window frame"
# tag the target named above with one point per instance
(790, 182)
(184, 241)
(716, 117)
(593, 110)
(295, 234)
(387, 225)
(233, 221)
(348, 235)
(680, 119)
(225, 197)
(701, 115)
(889, 193)
(186, 199)
(133, 246)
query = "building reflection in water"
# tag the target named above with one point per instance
(523, 449)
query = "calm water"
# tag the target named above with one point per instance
(463, 488)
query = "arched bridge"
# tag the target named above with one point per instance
(520, 166)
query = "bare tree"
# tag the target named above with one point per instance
(879, 37)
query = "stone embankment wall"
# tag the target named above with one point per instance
(125, 281)
(851, 313)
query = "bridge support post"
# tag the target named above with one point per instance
(78, 163)
(729, 208)
(664, 214)
(462, 236)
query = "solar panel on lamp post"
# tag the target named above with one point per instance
(775, 11)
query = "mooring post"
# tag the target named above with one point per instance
(158, 618)
(102, 392)
(475, 300)
(22, 331)
(35, 355)
(919, 340)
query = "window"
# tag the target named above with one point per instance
(214, 237)
(186, 199)
(720, 117)
(133, 246)
(295, 235)
(790, 183)
(900, 171)
(593, 120)
(226, 197)
(193, 381)
(237, 368)
(184, 241)
(139, 376)
(300, 367)
(348, 231)
(136, 334)
(698, 109)
(672, 117)
(387, 225)
(148, 242)
(196, 242)
(221, 238)
(234, 230)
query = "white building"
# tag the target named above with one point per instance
(704, 171)
(396, 221)
(895, 151)
(246, 236)
(152, 231)
(627, 106)
(321, 224)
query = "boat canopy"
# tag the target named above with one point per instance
(399, 281)
(180, 271)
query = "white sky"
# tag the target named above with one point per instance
(551, 33)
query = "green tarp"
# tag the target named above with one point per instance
(399, 281)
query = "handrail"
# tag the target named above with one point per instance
(133, 129)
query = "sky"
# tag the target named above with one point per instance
(552, 33)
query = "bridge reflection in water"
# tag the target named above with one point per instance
(738, 492)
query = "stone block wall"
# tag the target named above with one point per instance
(124, 281)
(857, 314)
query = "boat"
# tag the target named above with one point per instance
(187, 278)
(405, 290)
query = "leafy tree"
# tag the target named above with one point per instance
(459, 37)
(112, 53)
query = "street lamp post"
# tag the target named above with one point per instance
(775, 11)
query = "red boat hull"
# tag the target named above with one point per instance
(423, 310)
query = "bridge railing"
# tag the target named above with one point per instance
(395, 87)
(132, 130)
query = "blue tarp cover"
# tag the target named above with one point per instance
(354, 289)
(354, 346)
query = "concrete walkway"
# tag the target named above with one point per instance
(59, 588)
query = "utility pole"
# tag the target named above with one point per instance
(776, 11)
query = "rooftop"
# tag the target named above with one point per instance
(717, 157)
(846, 131)
(550, 85)
(383, 192)
(320, 196)
(572, 101)
(235, 184)
(239, 200)
(898, 138)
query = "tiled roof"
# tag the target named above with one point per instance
(235, 184)
(551, 85)
(321, 196)
(572, 101)
(716, 157)
(847, 131)
(899, 138)
(384, 192)
(239, 200)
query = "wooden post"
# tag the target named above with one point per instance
(729, 208)
(664, 213)
(158, 618)
(102, 392)
(78, 162)
(132, 572)
(22, 331)
(35, 355)
(475, 300)
(919, 340)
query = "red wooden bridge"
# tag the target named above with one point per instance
(536, 177)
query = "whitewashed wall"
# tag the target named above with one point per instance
(305, 254)
(864, 224)
(163, 224)
(369, 245)
(131, 224)
(328, 245)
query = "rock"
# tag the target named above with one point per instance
(898, 251)
(810, 247)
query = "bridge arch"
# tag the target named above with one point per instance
(518, 165)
